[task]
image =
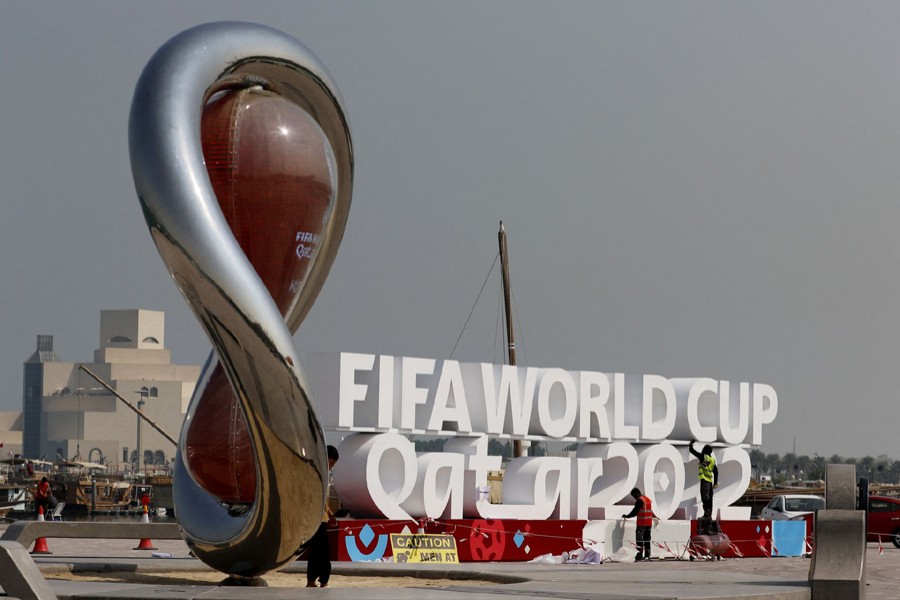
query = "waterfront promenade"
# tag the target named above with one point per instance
(138, 574)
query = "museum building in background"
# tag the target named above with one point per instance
(68, 415)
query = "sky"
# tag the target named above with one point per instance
(690, 189)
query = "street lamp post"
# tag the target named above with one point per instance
(140, 451)
(79, 392)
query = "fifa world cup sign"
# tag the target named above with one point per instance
(630, 431)
(242, 162)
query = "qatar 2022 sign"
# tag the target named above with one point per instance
(630, 431)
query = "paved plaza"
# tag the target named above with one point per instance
(755, 578)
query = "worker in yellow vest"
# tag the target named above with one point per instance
(643, 510)
(708, 473)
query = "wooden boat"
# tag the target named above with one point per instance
(18, 478)
(158, 489)
(20, 470)
(87, 487)
(162, 492)
(13, 497)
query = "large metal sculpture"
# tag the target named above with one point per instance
(242, 161)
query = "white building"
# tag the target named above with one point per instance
(10, 433)
(69, 415)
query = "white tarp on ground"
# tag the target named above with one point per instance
(613, 539)
(616, 541)
(592, 555)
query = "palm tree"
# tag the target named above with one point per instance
(866, 467)
(802, 467)
(773, 461)
(817, 467)
(788, 462)
(894, 472)
(757, 462)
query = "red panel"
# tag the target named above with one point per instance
(496, 540)
(476, 539)
(753, 539)
(512, 541)
(810, 519)
(351, 534)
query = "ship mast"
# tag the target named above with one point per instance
(518, 446)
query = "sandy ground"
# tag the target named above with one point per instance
(271, 579)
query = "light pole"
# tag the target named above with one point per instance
(140, 404)
(79, 392)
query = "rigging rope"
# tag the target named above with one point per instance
(499, 333)
(496, 257)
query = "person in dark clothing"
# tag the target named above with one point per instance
(643, 510)
(708, 473)
(318, 566)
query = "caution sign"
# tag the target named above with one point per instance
(424, 548)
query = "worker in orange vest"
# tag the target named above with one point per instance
(42, 495)
(643, 510)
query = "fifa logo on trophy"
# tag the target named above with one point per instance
(243, 166)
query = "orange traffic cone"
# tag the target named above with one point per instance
(145, 544)
(40, 544)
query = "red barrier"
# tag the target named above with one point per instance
(476, 539)
(749, 539)
(510, 540)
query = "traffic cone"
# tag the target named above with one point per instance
(40, 544)
(145, 544)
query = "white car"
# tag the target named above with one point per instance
(791, 506)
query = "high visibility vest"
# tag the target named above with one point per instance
(706, 468)
(645, 515)
(43, 491)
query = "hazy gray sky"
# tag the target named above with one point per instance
(690, 189)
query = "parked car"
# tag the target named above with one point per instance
(786, 507)
(884, 519)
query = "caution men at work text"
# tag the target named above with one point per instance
(424, 548)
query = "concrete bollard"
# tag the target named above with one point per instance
(19, 576)
(838, 567)
(840, 487)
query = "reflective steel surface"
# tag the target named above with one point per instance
(242, 162)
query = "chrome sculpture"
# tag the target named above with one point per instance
(242, 161)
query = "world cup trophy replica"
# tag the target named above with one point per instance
(243, 165)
